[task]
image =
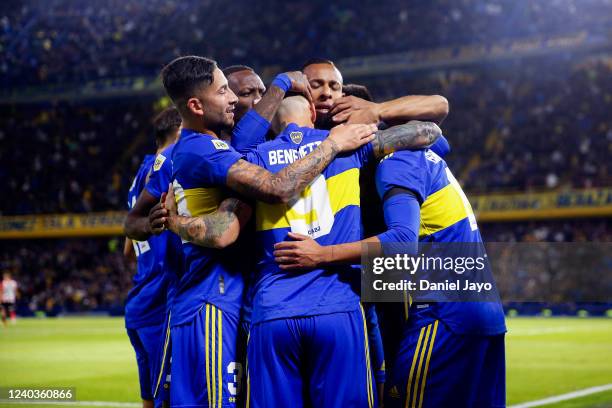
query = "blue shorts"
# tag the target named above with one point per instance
(320, 361)
(438, 368)
(205, 369)
(161, 386)
(148, 344)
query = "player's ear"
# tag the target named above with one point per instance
(313, 112)
(195, 106)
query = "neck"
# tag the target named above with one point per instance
(199, 127)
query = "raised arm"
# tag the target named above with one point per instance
(256, 182)
(411, 135)
(215, 230)
(351, 109)
(294, 81)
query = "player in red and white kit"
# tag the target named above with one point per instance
(9, 297)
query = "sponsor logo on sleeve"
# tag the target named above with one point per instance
(220, 144)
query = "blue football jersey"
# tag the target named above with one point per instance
(200, 165)
(445, 216)
(146, 301)
(327, 211)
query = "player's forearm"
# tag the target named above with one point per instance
(137, 227)
(256, 182)
(412, 135)
(269, 103)
(414, 107)
(349, 253)
(217, 230)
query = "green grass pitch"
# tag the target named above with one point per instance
(545, 357)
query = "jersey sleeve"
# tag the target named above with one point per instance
(209, 160)
(249, 132)
(253, 156)
(441, 147)
(161, 174)
(405, 169)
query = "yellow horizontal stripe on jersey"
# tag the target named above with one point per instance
(342, 190)
(202, 200)
(442, 209)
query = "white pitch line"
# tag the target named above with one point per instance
(564, 397)
(110, 404)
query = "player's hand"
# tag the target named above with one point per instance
(157, 218)
(302, 252)
(351, 109)
(351, 137)
(300, 84)
(170, 202)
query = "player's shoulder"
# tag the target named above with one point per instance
(193, 145)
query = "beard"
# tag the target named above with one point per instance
(324, 121)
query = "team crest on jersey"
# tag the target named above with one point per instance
(220, 144)
(159, 161)
(296, 137)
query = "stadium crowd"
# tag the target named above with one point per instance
(79, 157)
(70, 275)
(66, 41)
(518, 126)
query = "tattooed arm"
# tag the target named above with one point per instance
(412, 135)
(256, 182)
(215, 230)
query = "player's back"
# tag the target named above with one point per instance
(327, 211)
(446, 216)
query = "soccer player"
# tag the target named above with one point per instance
(145, 308)
(205, 311)
(450, 354)
(9, 298)
(248, 87)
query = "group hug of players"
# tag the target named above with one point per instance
(247, 229)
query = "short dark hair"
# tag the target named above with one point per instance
(183, 75)
(227, 71)
(165, 125)
(360, 91)
(317, 60)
